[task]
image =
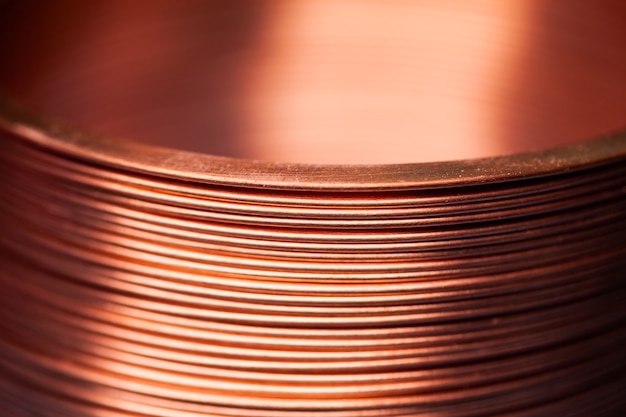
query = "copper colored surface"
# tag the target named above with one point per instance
(146, 281)
(323, 81)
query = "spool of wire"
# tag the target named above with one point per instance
(145, 281)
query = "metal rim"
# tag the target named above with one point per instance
(227, 171)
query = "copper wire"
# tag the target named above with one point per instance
(131, 293)
(144, 281)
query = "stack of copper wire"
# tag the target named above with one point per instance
(389, 291)
(327, 263)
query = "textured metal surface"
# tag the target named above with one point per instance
(144, 281)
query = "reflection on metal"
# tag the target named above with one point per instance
(148, 281)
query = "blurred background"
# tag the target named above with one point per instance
(323, 81)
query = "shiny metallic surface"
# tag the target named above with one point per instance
(147, 281)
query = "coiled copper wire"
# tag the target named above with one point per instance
(144, 281)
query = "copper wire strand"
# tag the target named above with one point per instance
(140, 281)
(197, 314)
(211, 213)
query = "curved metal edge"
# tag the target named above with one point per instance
(210, 169)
